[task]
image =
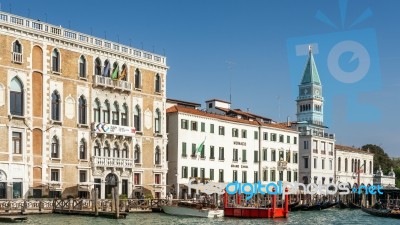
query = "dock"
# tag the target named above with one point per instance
(111, 215)
(12, 218)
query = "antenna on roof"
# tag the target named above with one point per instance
(230, 65)
(279, 108)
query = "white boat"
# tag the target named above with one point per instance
(192, 211)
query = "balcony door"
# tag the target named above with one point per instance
(111, 182)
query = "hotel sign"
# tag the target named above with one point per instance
(105, 128)
(239, 143)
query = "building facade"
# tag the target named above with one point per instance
(386, 181)
(238, 146)
(354, 166)
(78, 112)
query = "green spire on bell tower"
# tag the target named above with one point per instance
(310, 74)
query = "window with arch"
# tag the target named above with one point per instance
(106, 71)
(106, 150)
(17, 52)
(16, 97)
(115, 114)
(106, 112)
(370, 167)
(82, 149)
(125, 151)
(157, 121)
(124, 115)
(137, 118)
(136, 154)
(124, 73)
(96, 110)
(55, 148)
(97, 148)
(82, 67)
(157, 156)
(97, 67)
(82, 110)
(345, 165)
(55, 106)
(158, 83)
(55, 64)
(116, 150)
(339, 164)
(138, 78)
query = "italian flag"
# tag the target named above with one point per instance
(201, 146)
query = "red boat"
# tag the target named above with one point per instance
(237, 210)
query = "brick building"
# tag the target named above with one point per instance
(78, 112)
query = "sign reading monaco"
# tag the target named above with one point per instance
(105, 128)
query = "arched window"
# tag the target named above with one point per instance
(157, 121)
(158, 83)
(82, 66)
(106, 112)
(124, 73)
(138, 79)
(55, 148)
(345, 165)
(339, 164)
(97, 149)
(352, 165)
(82, 149)
(16, 97)
(17, 52)
(115, 114)
(115, 71)
(125, 151)
(106, 150)
(17, 47)
(106, 71)
(97, 67)
(82, 110)
(116, 150)
(157, 156)
(137, 118)
(124, 115)
(55, 106)
(96, 110)
(55, 56)
(137, 154)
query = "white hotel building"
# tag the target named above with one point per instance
(239, 146)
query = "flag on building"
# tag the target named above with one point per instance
(201, 146)
(106, 70)
(123, 74)
(114, 75)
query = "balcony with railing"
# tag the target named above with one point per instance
(17, 57)
(317, 133)
(315, 150)
(323, 152)
(99, 161)
(107, 82)
(330, 152)
(36, 26)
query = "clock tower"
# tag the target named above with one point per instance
(310, 100)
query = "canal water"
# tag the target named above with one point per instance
(329, 216)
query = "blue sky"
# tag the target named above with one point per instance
(210, 43)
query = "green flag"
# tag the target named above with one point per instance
(114, 75)
(201, 146)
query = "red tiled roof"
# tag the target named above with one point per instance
(175, 109)
(240, 112)
(351, 149)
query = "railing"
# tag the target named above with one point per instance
(108, 82)
(17, 57)
(95, 42)
(331, 153)
(315, 150)
(112, 162)
(27, 204)
(323, 152)
(317, 133)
